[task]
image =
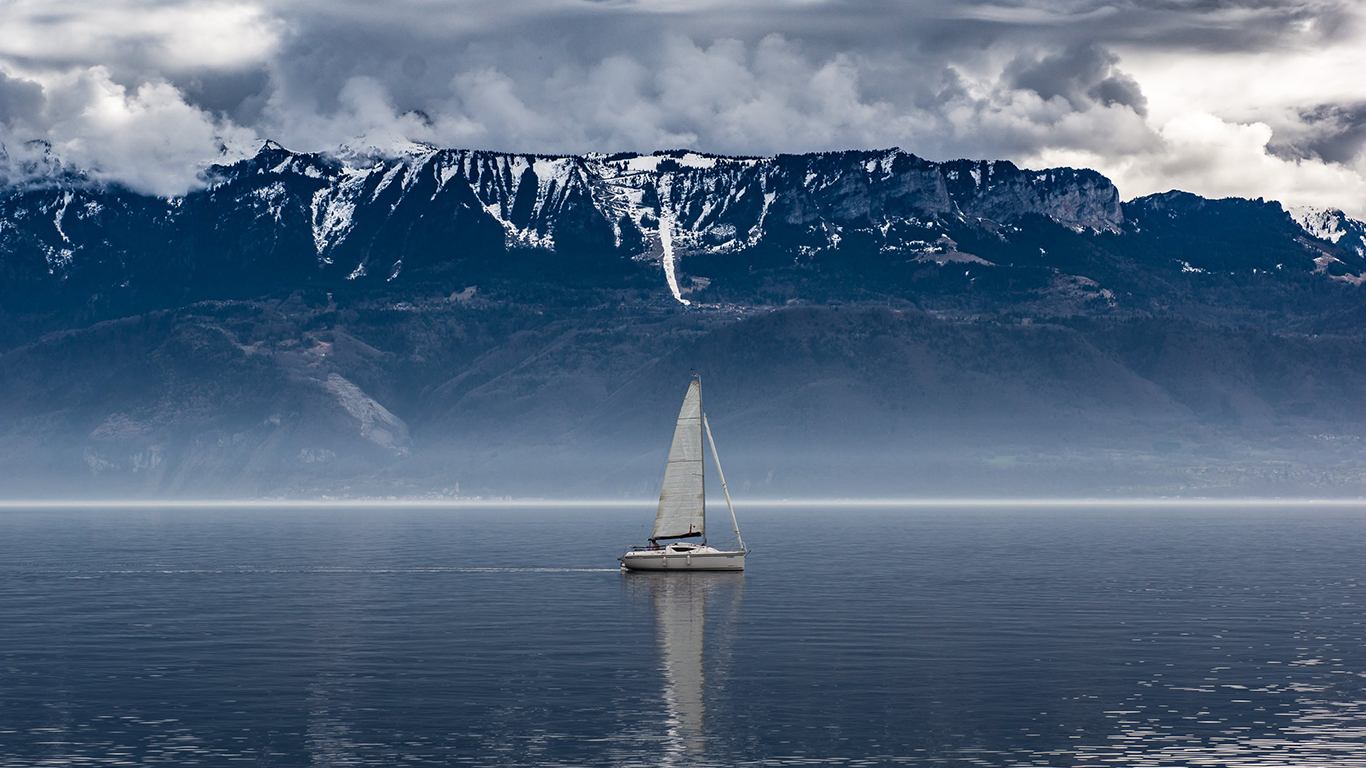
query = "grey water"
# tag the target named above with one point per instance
(954, 637)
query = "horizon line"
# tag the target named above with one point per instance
(952, 502)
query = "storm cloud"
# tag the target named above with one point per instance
(1222, 97)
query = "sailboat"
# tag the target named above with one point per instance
(682, 511)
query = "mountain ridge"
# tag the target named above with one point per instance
(282, 219)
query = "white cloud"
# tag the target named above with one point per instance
(1201, 153)
(1247, 85)
(364, 117)
(178, 36)
(147, 138)
(1216, 157)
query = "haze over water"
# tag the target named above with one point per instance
(923, 636)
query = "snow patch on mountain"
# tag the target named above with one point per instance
(333, 214)
(942, 251)
(273, 197)
(1348, 234)
(58, 259)
(60, 214)
(1323, 223)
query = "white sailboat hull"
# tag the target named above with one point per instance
(691, 558)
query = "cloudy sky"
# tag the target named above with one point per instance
(1220, 97)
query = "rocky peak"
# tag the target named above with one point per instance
(1082, 200)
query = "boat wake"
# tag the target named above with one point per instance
(251, 570)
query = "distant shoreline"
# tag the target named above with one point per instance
(540, 503)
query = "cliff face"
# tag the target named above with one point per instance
(1082, 200)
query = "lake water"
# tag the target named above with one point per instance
(956, 637)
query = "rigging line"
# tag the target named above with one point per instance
(735, 524)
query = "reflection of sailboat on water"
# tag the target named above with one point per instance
(680, 605)
(682, 511)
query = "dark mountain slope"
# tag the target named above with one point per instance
(285, 398)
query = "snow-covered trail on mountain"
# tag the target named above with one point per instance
(666, 243)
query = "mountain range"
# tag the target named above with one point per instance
(868, 322)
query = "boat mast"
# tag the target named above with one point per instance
(703, 464)
(735, 524)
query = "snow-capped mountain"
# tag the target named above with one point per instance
(1328, 224)
(281, 217)
(1333, 226)
(710, 203)
(691, 227)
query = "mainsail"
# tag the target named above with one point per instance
(682, 509)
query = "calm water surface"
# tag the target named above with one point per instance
(506, 637)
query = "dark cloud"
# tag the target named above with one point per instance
(239, 94)
(1083, 75)
(1169, 25)
(1335, 133)
(600, 75)
(19, 99)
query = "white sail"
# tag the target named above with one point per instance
(682, 509)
